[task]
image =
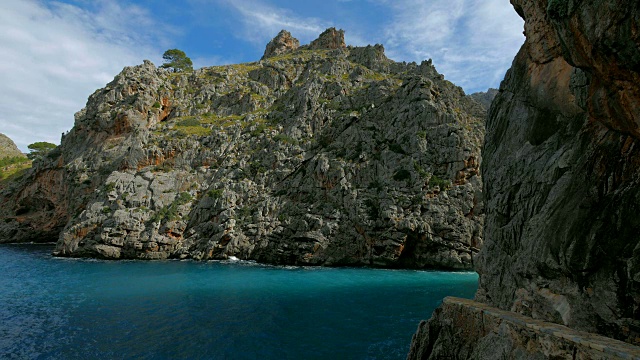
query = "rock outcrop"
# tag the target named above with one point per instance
(323, 155)
(8, 148)
(282, 43)
(329, 39)
(485, 97)
(560, 165)
(465, 329)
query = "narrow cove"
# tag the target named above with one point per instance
(65, 308)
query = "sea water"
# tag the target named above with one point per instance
(53, 308)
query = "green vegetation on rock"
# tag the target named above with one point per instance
(11, 167)
(170, 212)
(40, 149)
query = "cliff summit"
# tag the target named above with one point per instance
(329, 39)
(282, 43)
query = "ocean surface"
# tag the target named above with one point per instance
(52, 308)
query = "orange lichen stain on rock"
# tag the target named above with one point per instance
(174, 234)
(81, 232)
(19, 218)
(155, 160)
(224, 240)
(470, 162)
(549, 85)
(166, 108)
(47, 185)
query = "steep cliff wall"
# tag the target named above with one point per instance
(560, 165)
(561, 168)
(321, 155)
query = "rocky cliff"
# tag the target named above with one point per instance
(8, 148)
(319, 154)
(485, 98)
(560, 165)
(13, 163)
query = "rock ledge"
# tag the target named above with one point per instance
(466, 329)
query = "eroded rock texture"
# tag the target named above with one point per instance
(465, 329)
(329, 39)
(318, 155)
(561, 172)
(283, 42)
(561, 159)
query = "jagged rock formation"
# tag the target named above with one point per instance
(485, 97)
(281, 44)
(329, 39)
(562, 185)
(8, 148)
(323, 156)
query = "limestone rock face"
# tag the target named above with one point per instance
(282, 43)
(312, 157)
(561, 178)
(562, 184)
(8, 148)
(329, 39)
(465, 329)
(485, 98)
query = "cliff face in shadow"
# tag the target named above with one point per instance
(561, 160)
(561, 173)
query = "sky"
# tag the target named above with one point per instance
(57, 53)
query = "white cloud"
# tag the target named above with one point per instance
(471, 42)
(55, 55)
(262, 22)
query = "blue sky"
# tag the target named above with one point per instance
(56, 53)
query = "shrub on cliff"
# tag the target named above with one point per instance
(39, 149)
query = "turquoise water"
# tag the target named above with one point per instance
(89, 309)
